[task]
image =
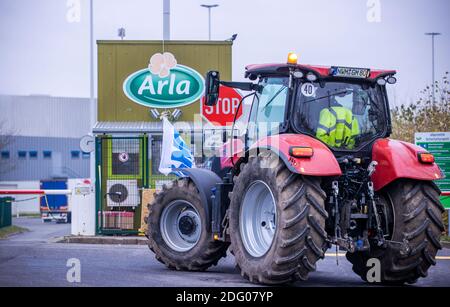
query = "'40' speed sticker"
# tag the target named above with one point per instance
(308, 90)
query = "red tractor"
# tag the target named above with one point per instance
(314, 168)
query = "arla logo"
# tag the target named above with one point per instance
(164, 84)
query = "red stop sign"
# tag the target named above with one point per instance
(222, 114)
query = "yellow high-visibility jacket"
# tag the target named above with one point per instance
(337, 127)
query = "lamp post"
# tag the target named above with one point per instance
(432, 34)
(209, 7)
(92, 101)
(166, 20)
(121, 33)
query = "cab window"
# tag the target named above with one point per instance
(271, 99)
(343, 115)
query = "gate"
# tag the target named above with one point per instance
(121, 174)
(156, 179)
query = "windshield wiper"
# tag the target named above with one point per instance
(328, 96)
(274, 96)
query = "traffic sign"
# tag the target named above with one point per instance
(222, 114)
(438, 143)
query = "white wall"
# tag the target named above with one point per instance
(45, 116)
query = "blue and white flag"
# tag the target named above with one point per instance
(174, 153)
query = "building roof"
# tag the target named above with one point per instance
(167, 42)
(138, 127)
(126, 127)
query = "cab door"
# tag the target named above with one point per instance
(268, 111)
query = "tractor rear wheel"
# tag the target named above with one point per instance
(177, 231)
(417, 218)
(277, 221)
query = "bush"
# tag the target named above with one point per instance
(425, 115)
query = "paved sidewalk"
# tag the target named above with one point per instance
(122, 240)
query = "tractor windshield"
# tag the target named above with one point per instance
(340, 114)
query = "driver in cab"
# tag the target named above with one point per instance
(338, 127)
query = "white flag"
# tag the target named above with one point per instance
(174, 153)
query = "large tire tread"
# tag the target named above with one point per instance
(300, 239)
(418, 212)
(207, 252)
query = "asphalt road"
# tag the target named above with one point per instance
(29, 259)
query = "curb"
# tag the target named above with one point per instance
(15, 233)
(127, 240)
(102, 240)
(445, 244)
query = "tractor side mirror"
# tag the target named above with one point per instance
(212, 84)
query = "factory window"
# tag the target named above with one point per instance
(5, 154)
(85, 155)
(22, 154)
(47, 154)
(33, 154)
(75, 154)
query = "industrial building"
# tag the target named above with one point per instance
(40, 140)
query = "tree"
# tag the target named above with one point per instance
(425, 115)
(6, 139)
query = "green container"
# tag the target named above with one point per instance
(5, 211)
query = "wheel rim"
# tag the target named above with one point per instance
(180, 225)
(258, 219)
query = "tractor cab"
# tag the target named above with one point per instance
(345, 108)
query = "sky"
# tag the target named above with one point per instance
(45, 50)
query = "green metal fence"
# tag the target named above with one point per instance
(121, 174)
(5, 211)
(124, 166)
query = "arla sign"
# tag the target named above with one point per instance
(164, 84)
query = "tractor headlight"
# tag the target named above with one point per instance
(311, 77)
(391, 80)
(381, 81)
(297, 74)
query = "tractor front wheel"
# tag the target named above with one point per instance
(277, 221)
(177, 231)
